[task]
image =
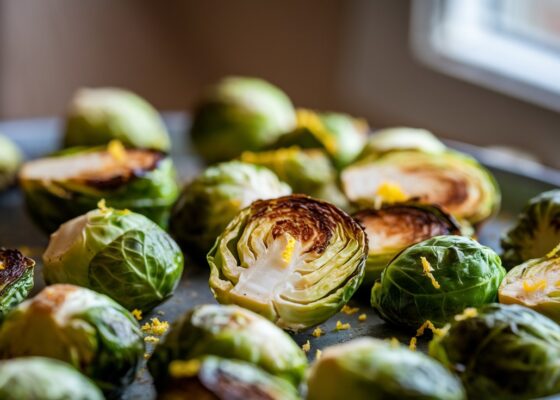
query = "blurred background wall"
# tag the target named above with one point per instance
(351, 55)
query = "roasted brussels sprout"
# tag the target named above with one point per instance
(230, 332)
(214, 198)
(502, 352)
(16, 279)
(436, 279)
(536, 232)
(118, 253)
(456, 182)
(239, 114)
(63, 187)
(393, 228)
(44, 379)
(79, 326)
(294, 260)
(222, 379)
(97, 116)
(10, 160)
(372, 369)
(340, 135)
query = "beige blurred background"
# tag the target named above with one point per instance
(349, 55)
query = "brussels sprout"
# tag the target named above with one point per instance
(16, 279)
(44, 379)
(294, 260)
(454, 181)
(536, 232)
(238, 114)
(221, 379)
(79, 326)
(230, 332)
(372, 369)
(214, 198)
(307, 171)
(97, 116)
(340, 135)
(401, 138)
(504, 352)
(65, 186)
(393, 228)
(118, 253)
(436, 279)
(10, 161)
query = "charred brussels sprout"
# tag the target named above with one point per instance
(79, 326)
(10, 160)
(44, 379)
(393, 228)
(230, 332)
(118, 253)
(502, 352)
(340, 135)
(97, 116)
(62, 187)
(371, 369)
(294, 260)
(456, 182)
(214, 198)
(16, 279)
(222, 379)
(239, 114)
(536, 232)
(436, 279)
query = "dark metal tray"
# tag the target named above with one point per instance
(42, 136)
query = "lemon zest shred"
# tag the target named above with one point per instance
(394, 342)
(390, 192)
(2, 265)
(429, 325)
(554, 251)
(362, 317)
(184, 369)
(117, 151)
(317, 332)
(318, 354)
(350, 310)
(136, 313)
(469, 312)
(427, 268)
(342, 327)
(534, 286)
(151, 339)
(155, 327)
(412, 344)
(306, 347)
(312, 122)
(288, 251)
(147, 356)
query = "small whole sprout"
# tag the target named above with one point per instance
(121, 254)
(436, 279)
(372, 369)
(79, 326)
(295, 260)
(16, 279)
(61, 187)
(223, 379)
(233, 333)
(97, 116)
(10, 161)
(207, 205)
(536, 232)
(238, 114)
(395, 227)
(45, 379)
(502, 352)
(454, 181)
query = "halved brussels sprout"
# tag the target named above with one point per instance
(534, 284)
(62, 187)
(307, 171)
(502, 352)
(118, 253)
(436, 279)
(222, 379)
(454, 181)
(372, 369)
(10, 161)
(294, 260)
(214, 198)
(393, 228)
(230, 332)
(16, 279)
(340, 135)
(238, 114)
(97, 116)
(44, 379)
(536, 232)
(401, 138)
(79, 326)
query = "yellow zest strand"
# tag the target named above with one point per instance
(427, 268)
